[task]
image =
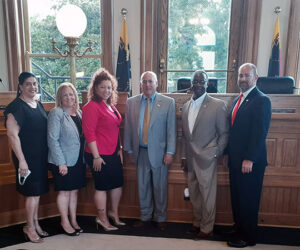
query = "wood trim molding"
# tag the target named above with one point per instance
(13, 38)
(293, 46)
(250, 31)
(162, 43)
(146, 35)
(106, 27)
(244, 37)
(154, 37)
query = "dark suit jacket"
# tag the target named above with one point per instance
(247, 136)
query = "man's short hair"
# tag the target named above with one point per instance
(149, 72)
(254, 69)
(198, 72)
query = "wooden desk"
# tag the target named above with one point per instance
(280, 205)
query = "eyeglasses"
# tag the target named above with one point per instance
(199, 82)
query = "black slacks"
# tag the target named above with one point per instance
(245, 192)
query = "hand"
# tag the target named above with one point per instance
(23, 168)
(247, 166)
(97, 164)
(63, 169)
(168, 158)
(184, 165)
(120, 153)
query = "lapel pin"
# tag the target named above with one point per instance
(158, 105)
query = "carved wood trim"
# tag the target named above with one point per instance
(106, 28)
(13, 36)
(244, 36)
(293, 46)
(154, 37)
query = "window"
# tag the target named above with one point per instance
(198, 38)
(51, 69)
(241, 47)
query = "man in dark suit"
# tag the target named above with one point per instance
(247, 155)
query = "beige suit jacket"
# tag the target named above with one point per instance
(210, 133)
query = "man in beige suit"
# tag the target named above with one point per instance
(205, 135)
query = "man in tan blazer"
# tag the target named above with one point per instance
(205, 134)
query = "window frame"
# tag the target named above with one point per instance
(17, 34)
(243, 38)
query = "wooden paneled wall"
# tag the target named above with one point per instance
(280, 205)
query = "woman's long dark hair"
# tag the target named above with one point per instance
(22, 78)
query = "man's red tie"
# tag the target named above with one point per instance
(236, 109)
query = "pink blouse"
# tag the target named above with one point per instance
(100, 124)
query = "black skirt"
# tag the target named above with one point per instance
(74, 179)
(111, 174)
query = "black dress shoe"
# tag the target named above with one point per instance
(193, 230)
(203, 236)
(230, 233)
(238, 243)
(140, 223)
(161, 226)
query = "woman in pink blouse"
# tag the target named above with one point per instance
(101, 121)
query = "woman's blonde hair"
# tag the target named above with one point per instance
(59, 94)
(103, 75)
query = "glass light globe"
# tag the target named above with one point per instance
(71, 21)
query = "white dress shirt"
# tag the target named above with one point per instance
(194, 110)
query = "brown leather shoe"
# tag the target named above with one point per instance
(139, 223)
(193, 230)
(161, 226)
(203, 236)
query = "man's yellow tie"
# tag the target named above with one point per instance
(146, 122)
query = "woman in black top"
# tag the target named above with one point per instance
(26, 123)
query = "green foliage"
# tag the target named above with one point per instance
(42, 32)
(183, 50)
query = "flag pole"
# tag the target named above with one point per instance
(123, 69)
(274, 69)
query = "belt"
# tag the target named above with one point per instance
(143, 147)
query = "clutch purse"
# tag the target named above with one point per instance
(22, 179)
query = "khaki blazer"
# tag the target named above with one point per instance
(210, 133)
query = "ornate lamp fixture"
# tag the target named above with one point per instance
(71, 23)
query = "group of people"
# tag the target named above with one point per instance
(92, 137)
(209, 131)
(63, 142)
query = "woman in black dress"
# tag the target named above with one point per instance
(101, 122)
(26, 123)
(65, 142)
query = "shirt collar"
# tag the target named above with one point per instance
(199, 100)
(247, 92)
(152, 98)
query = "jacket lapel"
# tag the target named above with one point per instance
(70, 120)
(248, 100)
(155, 109)
(137, 110)
(185, 118)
